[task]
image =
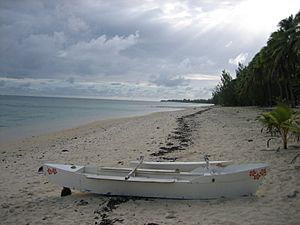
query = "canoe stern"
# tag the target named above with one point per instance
(64, 175)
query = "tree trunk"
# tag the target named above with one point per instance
(284, 135)
(285, 144)
(280, 90)
(269, 93)
(293, 102)
(287, 93)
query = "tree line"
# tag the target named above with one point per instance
(273, 75)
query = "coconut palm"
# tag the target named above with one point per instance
(283, 45)
(280, 121)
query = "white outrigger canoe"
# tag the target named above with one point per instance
(203, 182)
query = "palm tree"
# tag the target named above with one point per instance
(285, 54)
(281, 120)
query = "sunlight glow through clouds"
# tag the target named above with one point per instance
(252, 16)
(262, 16)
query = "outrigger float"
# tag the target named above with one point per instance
(178, 180)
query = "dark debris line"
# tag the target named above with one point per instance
(182, 134)
(102, 213)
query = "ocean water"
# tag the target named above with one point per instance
(23, 116)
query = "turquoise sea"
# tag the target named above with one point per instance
(23, 116)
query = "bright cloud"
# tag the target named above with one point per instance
(228, 44)
(201, 77)
(241, 58)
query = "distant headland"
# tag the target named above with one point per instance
(206, 101)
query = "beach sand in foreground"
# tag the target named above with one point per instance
(224, 133)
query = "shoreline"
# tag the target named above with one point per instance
(225, 133)
(8, 136)
(72, 133)
(25, 116)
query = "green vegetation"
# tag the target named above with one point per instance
(272, 75)
(283, 121)
(295, 127)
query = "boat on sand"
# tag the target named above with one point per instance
(201, 182)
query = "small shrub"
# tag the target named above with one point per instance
(283, 121)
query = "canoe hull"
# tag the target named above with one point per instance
(174, 190)
(179, 186)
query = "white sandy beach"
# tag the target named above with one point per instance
(224, 133)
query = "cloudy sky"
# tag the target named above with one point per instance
(131, 49)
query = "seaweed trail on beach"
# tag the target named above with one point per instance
(181, 135)
(103, 213)
(107, 207)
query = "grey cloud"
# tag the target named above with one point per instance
(2, 83)
(71, 80)
(25, 85)
(59, 39)
(168, 81)
(121, 41)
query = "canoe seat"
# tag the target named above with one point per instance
(138, 170)
(131, 179)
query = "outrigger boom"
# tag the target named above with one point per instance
(134, 169)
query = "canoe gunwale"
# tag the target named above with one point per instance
(135, 179)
